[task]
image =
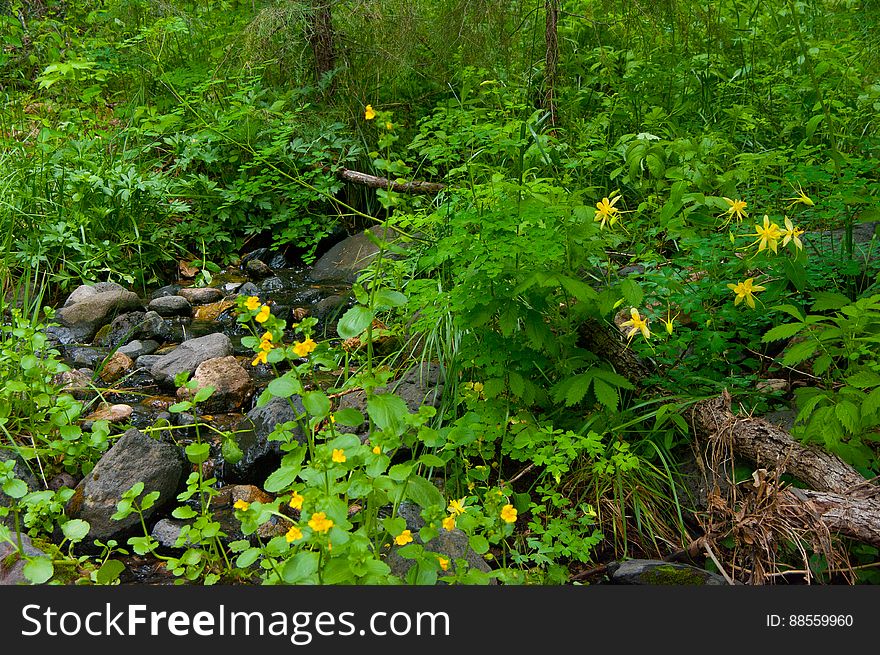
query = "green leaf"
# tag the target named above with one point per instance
(316, 403)
(826, 300)
(401, 472)
(812, 124)
(429, 459)
(198, 452)
(864, 380)
(423, 492)
(799, 352)
(182, 406)
(349, 417)
(605, 394)
(184, 512)
(109, 572)
(76, 529)
(848, 415)
(285, 386)
(871, 403)
(790, 310)
(479, 543)
(354, 322)
(388, 412)
(300, 568)
(388, 298)
(203, 394)
(15, 488)
(38, 570)
(632, 292)
(784, 331)
(248, 557)
(231, 451)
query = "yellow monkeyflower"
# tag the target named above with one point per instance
(296, 500)
(241, 504)
(444, 563)
(338, 455)
(768, 235)
(736, 210)
(456, 507)
(403, 538)
(606, 212)
(508, 513)
(252, 303)
(377, 450)
(294, 534)
(260, 358)
(303, 348)
(449, 523)
(369, 114)
(267, 336)
(266, 346)
(637, 323)
(792, 233)
(263, 315)
(320, 523)
(389, 125)
(745, 290)
(801, 198)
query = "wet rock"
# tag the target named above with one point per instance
(63, 479)
(115, 367)
(272, 285)
(452, 545)
(90, 310)
(12, 563)
(77, 382)
(349, 257)
(274, 258)
(167, 531)
(134, 325)
(658, 572)
(248, 289)
(89, 356)
(201, 295)
(261, 456)
(147, 361)
(171, 306)
(326, 307)
(257, 269)
(231, 287)
(212, 311)
(188, 355)
(60, 335)
(136, 348)
(168, 290)
(118, 413)
(134, 458)
(232, 384)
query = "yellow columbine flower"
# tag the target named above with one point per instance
(456, 507)
(737, 209)
(637, 323)
(403, 538)
(320, 523)
(606, 212)
(252, 303)
(263, 316)
(338, 455)
(241, 504)
(668, 322)
(768, 235)
(744, 291)
(508, 513)
(444, 563)
(369, 114)
(260, 358)
(303, 348)
(294, 534)
(801, 198)
(792, 233)
(296, 500)
(449, 523)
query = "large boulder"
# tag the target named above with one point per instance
(134, 325)
(90, 307)
(259, 455)
(232, 384)
(188, 355)
(170, 306)
(135, 457)
(657, 572)
(350, 256)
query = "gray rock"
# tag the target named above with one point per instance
(171, 306)
(345, 260)
(166, 532)
(248, 289)
(136, 348)
(89, 356)
(252, 436)
(60, 334)
(232, 384)
(658, 572)
(91, 310)
(84, 291)
(201, 295)
(257, 270)
(147, 361)
(12, 563)
(272, 285)
(135, 457)
(162, 292)
(135, 325)
(188, 355)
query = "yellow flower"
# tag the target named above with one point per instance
(260, 358)
(736, 210)
(263, 316)
(768, 235)
(369, 114)
(303, 348)
(444, 563)
(449, 523)
(266, 346)
(241, 504)
(377, 450)
(792, 233)
(294, 534)
(296, 500)
(267, 336)
(508, 513)
(606, 212)
(744, 291)
(456, 507)
(252, 303)
(637, 323)
(403, 538)
(338, 455)
(320, 523)
(667, 323)
(801, 198)
(388, 125)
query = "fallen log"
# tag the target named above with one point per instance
(856, 518)
(374, 182)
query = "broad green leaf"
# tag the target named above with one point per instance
(388, 412)
(354, 322)
(285, 386)
(423, 493)
(76, 529)
(349, 417)
(605, 394)
(864, 379)
(316, 403)
(109, 572)
(386, 298)
(38, 570)
(300, 568)
(198, 452)
(784, 331)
